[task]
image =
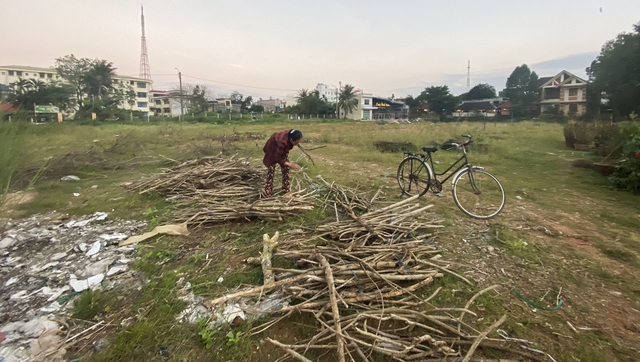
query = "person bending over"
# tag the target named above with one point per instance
(276, 152)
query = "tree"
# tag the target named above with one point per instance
(256, 108)
(480, 91)
(521, 89)
(98, 78)
(439, 98)
(28, 92)
(412, 102)
(73, 71)
(238, 98)
(198, 99)
(347, 100)
(616, 72)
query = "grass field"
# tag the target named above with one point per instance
(564, 233)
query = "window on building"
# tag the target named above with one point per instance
(11, 72)
(166, 101)
(166, 110)
(142, 85)
(26, 74)
(142, 104)
(573, 108)
(41, 75)
(142, 95)
(158, 101)
(573, 92)
(131, 82)
(366, 102)
(49, 75)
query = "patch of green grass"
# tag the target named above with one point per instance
(92, 303)
(155, 329)
(620, 219)
(620, 254)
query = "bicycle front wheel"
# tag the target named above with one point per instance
(413, 176)
(478, 193)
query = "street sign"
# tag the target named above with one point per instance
(46, 109)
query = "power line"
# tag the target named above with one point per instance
(239, 85)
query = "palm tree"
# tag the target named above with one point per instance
(347, 100)
(303, 100)
(99, 79)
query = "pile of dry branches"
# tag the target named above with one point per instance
(215, 177)
(367, 301)
(390, 223)
(239, 136)
(208, 211)
(336, 196)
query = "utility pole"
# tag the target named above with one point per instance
(338, 100)
(181, 101)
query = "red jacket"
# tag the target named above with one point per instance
(276, 150)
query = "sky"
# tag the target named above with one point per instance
(275, 48)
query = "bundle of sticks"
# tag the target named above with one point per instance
(217, 176)
(333, 195)
(388, 224)
(207, 212)
(367, 301)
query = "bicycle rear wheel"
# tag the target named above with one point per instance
(478, 193)
(413, 176)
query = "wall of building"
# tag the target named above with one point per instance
(13, 73)
(331, 93)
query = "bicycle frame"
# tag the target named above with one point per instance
(463, 161)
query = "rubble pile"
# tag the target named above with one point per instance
(45, 261)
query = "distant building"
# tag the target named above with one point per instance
(489, 107)
(13, 73)
(164, 103)
(564, 92)
(221, 105)
(331, 94)
(373, 108)
(272, 105)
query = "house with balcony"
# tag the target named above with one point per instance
(564, 93)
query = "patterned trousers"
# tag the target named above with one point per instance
(268, 186)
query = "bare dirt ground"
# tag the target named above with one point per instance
(590, 283)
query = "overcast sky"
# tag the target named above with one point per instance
(273, 48)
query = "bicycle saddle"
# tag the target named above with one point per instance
(429, 149)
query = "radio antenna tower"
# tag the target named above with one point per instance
(145, 72)
(468, 75)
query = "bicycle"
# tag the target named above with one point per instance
(475, 191)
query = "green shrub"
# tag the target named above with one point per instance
(627, 175)
(609, 140)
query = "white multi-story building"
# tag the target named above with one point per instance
(165, 103)
(13, 73)
(331, 94)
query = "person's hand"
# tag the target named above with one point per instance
(294, 166)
